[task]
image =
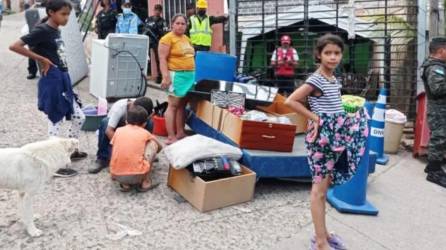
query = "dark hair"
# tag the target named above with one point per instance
(44, 3)
(102, 3)
(158, 7)
(146, 103)
(174, 18)
(324, 41)
(190, 6)
(436, 44)
(54, 6)
(137, 115)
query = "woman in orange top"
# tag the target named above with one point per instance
(178, 69)
(128, 164)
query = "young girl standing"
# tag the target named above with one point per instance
(55, 93)
(335, 140)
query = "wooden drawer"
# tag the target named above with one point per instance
(258, 135)
(279, 108)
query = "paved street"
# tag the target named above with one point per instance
(82, 212)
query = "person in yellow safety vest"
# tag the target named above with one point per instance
(200, 27)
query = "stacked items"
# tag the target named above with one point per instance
(271, 128)
(215, 168)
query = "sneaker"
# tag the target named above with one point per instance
(65, 173)
(437, 177)
(77, 155)
(100, 164)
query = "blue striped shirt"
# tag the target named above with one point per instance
(330, 100)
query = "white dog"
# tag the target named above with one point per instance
(28, 168)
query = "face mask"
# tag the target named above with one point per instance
(201, 12)
(126, 10)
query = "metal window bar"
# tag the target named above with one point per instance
(173, 7)
(383, 52)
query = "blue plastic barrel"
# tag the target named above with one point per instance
(215, 66)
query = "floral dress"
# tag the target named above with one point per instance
(342, 137)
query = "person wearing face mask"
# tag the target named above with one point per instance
(200, 27)
(128, 21)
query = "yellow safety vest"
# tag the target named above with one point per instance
(200, 32)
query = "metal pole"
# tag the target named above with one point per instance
(306, 30)
(263, 33)
(337, 18)
(232, 27)
(387, 51)
(422, 40)
(434, 17)
(83, 16)
(89, 21)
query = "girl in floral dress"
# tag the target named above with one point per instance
(335, 140)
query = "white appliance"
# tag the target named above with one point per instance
(119, 65)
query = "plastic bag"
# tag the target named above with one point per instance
(255, 115)
(395, 116)
(102, 106)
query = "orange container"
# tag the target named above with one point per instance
(159, 126)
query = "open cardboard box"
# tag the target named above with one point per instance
(209, 113)
(207, 196)
(279, 108)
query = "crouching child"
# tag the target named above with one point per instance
(133, 151)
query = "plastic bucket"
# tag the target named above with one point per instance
(92, 119)
(92, 122)
(393, 132)
(159, 126)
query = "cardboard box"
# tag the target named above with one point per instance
(279, 108)
(209, 113)
(258, 135)
(207, 196)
